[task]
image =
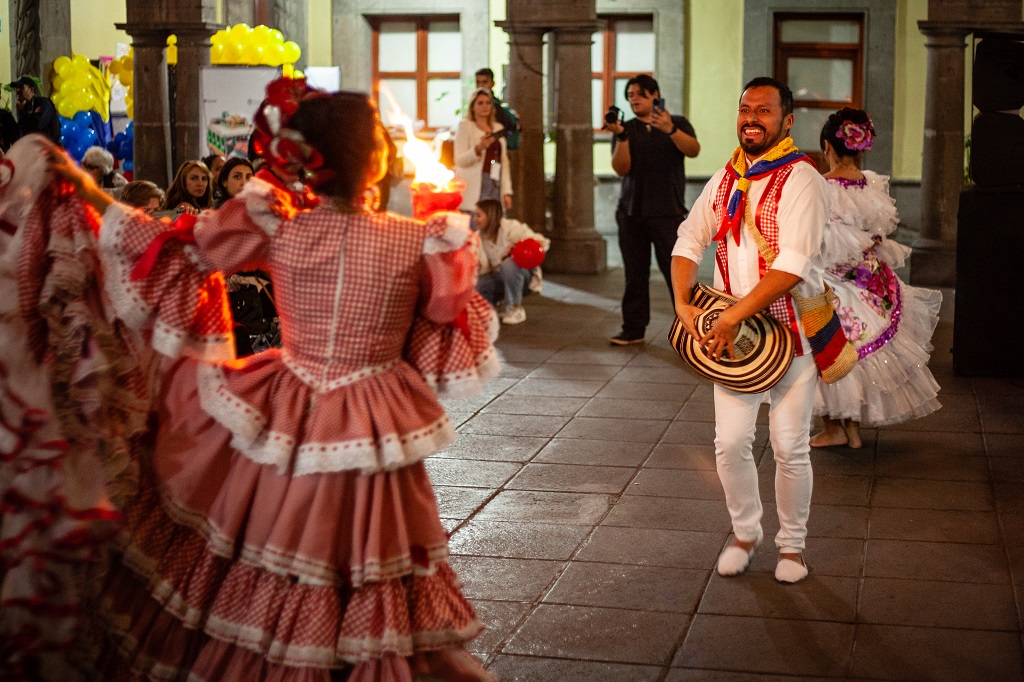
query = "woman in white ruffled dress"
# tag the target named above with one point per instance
(888, 321)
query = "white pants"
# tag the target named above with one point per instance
(789, 424)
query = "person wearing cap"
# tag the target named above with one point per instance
(36, 114)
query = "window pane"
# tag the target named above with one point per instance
(397, 46)
(398, 93)
(807, 125)
(830, 79)
(634, 45)
(444, 46)
(806, 31)
(443, 96)
(620, 97)
(597, 53)
(597, 102)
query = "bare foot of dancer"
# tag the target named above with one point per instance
(833, 434)
(852, 429)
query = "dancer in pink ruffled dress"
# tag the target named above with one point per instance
(889, 322)
(285, 527)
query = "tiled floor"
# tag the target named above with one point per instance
(586, 516)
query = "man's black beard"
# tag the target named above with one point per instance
(755, 151)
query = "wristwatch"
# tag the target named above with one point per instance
(674, 130)
(621, 137)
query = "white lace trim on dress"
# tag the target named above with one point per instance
(320, 386)
(457, 232)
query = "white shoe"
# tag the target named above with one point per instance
(789, 571)
(513, 315)
(734, 560)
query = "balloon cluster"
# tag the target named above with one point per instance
(262, 45)
(79, 87)
(123, 68)
(122, 146)
(77, 134)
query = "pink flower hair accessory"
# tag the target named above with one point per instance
(281, 145)
(856, 136)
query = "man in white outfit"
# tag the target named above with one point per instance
(770, 179)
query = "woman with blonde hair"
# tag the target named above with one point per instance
(192, 189)
(481, 154)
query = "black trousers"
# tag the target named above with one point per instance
(636, 237)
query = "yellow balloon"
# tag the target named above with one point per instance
(66, 69)
(128, 99)
(172, 39)
(292, 52)
(56, 98)
(57, 81)
(66, 108)
(239, 32)
(129, 63)
(287, 70)
(68, 88)
(60, 63)
(217, 53)
(277, 36)
(298, 74)
(131, 111)
(274, 54)
(219, 37)
(253, 54)
(80, 61)
(232, 52)
(82, 100)
(126, 77)
(172, 54)
(114, 68)
(261, 33)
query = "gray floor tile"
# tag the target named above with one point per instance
(693, 483)
(1013, 528)
(599, 634)
(911, 653)
(625, 586)
(514, 425)
(636, 430)
(1007, 469)
(817, 597)
(767, 645)
(500, 618)
(1002, 422)
(676, 375)
(682, 456)
(594, 355)
(692, 433)
(546, 507)
(533, 669)
(697, 675)
(908, 493)
(617, 453)
(936, 561)
(842, 462)
(961, 421)
(574, 372)
(556, 387)
(494, 448)
(460, 503)
(630, 409)
(524, 354)
(503, 579)
(669, 512)
(536, 404)
(824, 556)
(571, 478)
(635, 390)
(832, 521)
(470, 473)
(1002, 445)
(653, 547)
(518, 540)
(928, 603)
(908, 463)
(828, 489)
(921, 448)
(935, 525)
(1010, 497)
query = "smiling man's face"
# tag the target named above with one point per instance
(760, 123)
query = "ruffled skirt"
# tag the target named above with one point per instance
(234, 569)
(891, 325)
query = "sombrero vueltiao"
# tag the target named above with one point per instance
(763, 343)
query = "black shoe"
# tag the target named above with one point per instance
(626, 339)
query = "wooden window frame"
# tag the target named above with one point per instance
(609, 75)
(421, 75)
(853, 52)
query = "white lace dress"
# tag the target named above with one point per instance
(888, 321)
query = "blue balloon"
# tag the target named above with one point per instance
(88, 137)
(83, 117)
(77, 150)
(112, 147)
(125, 152)
(130, 130)
(120, 137)
(128, 165)
(67, 127)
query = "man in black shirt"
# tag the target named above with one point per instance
(36, 114)
(648, 153)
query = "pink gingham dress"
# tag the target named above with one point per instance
(288, 526)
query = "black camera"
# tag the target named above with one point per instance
(613, 115)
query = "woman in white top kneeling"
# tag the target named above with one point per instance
(501, 278)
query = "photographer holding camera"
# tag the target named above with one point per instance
(647, 153)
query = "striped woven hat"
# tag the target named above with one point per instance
(764, 346)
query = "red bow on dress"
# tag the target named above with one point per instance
(182, 229)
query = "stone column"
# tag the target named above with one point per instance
(41, 32)
(934, 259)
(290, 17)
(576, 247)
(152, 140)
(193, 55)
(525, 92)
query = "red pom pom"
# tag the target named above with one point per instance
(528, 254)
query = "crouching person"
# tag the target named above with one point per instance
(503, 277)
